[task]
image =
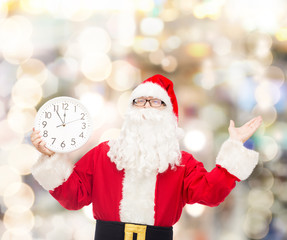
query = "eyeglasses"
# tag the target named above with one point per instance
(154, 102)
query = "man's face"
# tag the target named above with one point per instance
(149, 102)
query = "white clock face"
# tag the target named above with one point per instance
(64, 123)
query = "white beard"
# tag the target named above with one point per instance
(148, 142)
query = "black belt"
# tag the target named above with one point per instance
(106, 230)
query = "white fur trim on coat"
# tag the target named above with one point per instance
(52, 171)
(150, 89)
(237, 159)
(137, 204)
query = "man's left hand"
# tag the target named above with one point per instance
(244, 132)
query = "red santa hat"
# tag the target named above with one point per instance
(159, 87)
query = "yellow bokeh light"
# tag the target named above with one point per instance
(268, 114)
(76, 10)
(169, 64)
(269, 147)
(18, 52)
(8, 176)
(151, 26)
(144, 5)
(96, 67)
(18, 220)
(198, 50)
(32, 6)
(281, 34)
(19, 194)
(21, 119)
(33, 68)
(26, 93)
(22, 158)
(124, 76)
(8, 137)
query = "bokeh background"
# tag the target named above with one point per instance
(227, 59)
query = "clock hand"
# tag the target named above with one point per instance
(64, 117)
(60, 118)
(64, 124)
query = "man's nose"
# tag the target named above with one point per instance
(147, 104)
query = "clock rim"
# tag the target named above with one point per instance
(50, 101)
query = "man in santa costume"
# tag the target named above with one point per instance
(139, 183)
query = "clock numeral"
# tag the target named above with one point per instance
(44, 123)
(54, 139)
(83, 125)
(63, 144)
(56, 108)
(81, 135)
(73, 142)
(83, 116)
(65, 106)
(45, 134)
(48, 115)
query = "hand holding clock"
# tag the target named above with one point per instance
(40, 144)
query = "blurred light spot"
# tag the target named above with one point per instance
(195, 140)
(8, 235)
(269, 147)
(169, 14)
(222, 46)
(123, 76)
(256, 224)
(267, 94)
(258, 198)
(18, 220)
(21, 119)
(269, 115)
(146, 44)
(264, 179)
(32, 6)
(22, 158)
(19, 194)
(110, 134)
(8, 137)
(156, 57)
(151, 26)
(281, 34)
(218, 116)
(94, 39)
(173, 42)
(17, 52)
(65, 69)
(275, 75)
(26, 93)
(94, 103)
(198, 50)
(33, 68)
(8, 176)
(75, 10)
(2, 110)
(3, 11)
(169, 64)
(144, 5)
(96, 67)
(122, 27)
(123, 102)
(51, 86)
(195, 210)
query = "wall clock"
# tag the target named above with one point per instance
(64, 123)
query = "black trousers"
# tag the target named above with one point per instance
(106, 230)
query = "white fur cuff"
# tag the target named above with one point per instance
(52, 171)
(237, 159)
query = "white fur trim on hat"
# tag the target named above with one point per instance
(237, 159)
(150, 89)
(52, 171)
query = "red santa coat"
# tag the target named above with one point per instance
(95, 179)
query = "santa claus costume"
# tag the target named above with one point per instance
(139, 183)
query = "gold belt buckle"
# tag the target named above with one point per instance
(130, 229)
